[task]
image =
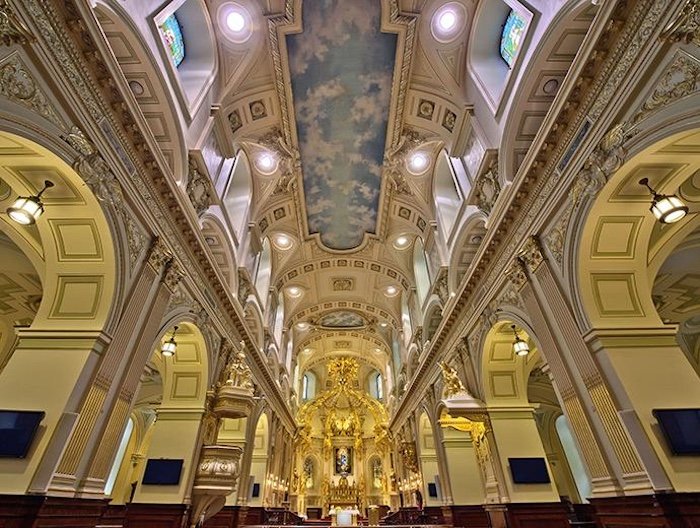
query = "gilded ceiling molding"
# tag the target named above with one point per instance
(371, 312)
(679, 79)
(19, 86)
(98, 176)
(685, 28)
(69, 40)
(630, 29)
(12, 29)
(324, 335)
(342, 263)
(532, 254)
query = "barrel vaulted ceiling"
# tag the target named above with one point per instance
(340, 93)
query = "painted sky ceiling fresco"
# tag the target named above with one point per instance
(343, 319)
(341, 67)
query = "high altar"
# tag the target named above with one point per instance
(342, 447)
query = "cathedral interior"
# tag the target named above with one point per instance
(350, 262)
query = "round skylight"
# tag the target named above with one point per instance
(448, 21)
(418, 162)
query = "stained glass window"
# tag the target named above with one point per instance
(171, 33)
(511, 37)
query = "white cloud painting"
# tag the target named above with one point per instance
(341, 67)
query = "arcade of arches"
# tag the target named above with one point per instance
(350, 261)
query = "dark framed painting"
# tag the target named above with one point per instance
(343, 460)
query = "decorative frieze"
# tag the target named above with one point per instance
(199, 188)
(686, 27)
(19, 86)
(488, 188)
(12, 29)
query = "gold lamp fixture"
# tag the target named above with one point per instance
(667, 209)
(170, 346)
(520, 346)
(27, 209)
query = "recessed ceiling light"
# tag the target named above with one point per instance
(377, 350)
(418, 162)
(383, 324)
(306, 350)
(402, 242)
(391, 290)
(266, 163)
(447, 20)
(294, 291)
(303, 325)
(282, 241)
(235, 21)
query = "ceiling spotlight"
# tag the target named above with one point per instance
(402, 242)
(266, 163)
(391, 290)
(27, 209)
(294, 291)
(520, 347)
(303, 325)
(447, 20)
(383, 324)
(418, 162)
(282, 241)
(666, 209)
(170, 346)
(235, 21)
(377, 350)
(306, 350)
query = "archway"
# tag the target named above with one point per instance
(257, 490)
(428, 462)
(620, 252)
(523, 428)
(72, 252)
(173, 391)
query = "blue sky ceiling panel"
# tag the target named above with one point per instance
(341, 68)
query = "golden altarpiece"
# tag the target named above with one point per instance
(343, 445)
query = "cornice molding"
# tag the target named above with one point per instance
(71, 36)
(622, 35)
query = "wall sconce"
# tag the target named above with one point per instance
(520, 347)
(666, 209)
(170, 346)
(27, 209)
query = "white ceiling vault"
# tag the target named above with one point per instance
(373, 132)
(341, 94)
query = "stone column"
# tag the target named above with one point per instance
(517, 436)
(110, 399)
(104, 392)
(461, 456)
(611, 459)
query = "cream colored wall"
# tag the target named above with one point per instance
(175, 435)
(655, 374)
(517, 436)
(258, 466)
(47, 373)
(463, 467)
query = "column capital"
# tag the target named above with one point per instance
(51, 339)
